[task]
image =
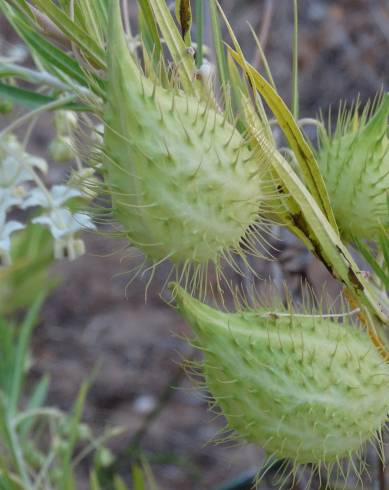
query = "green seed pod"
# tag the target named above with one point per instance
(355, 166)
(185, 185)
(303, 387)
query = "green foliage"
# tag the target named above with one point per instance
(28, 276)
(31, 99)
(40, 446)
(54, 59)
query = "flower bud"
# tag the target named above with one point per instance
(65, 122)
(61, 149)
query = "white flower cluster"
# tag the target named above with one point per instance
(21, 187)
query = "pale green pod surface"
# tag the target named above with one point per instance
(355, 166)
(305, 388)
(184, 183)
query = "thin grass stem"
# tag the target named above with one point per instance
(295, 91)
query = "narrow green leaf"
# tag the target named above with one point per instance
(93, 17)
(137, 478)
(94, 481)
(73, 31)
(34, 100)
(263, 57)
(120, 485)
(295, 68)
(21, 353)
(68, 481)
(302, 150)
(7, 355)
(149, 30)
(26, 98)
(321, 238)
(178, 50)
(151, 483)
(8, 480)
(48, 53)
(221, 58)
(384, 244)
(24, 7)
(199, 31)
(35, 401)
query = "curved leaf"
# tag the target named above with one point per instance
(304, 154)
(34, 100)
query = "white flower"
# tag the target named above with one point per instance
(15, 169)
(63, 225)
(54, 198)
(13, 172)
(9, 197)
(15, 163)
(6, 230)
(62, 222)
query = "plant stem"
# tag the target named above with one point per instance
(295, 90)
(126, 15)
(199, 32)
(266, 23)
(43, 78)
(17, 453)
(221, 59)
(39, 182)
(26, 117)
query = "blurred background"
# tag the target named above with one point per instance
(93, 326)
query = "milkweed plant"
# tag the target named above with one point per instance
(178, 154)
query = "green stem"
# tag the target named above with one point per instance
(17, 453)
(126, 16)
(26, 117)
(43, 78)
(218, 45)
(199, 32)
(295, 90)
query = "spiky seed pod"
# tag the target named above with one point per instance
(185, 185)
(305, 388)
(355, 166)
